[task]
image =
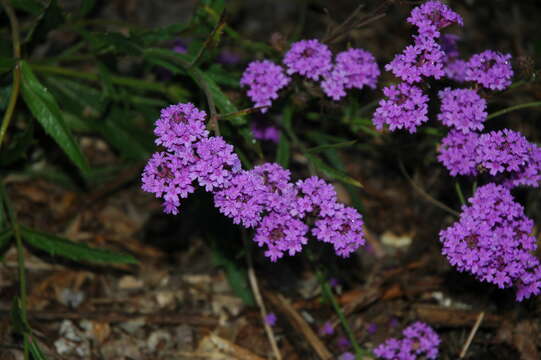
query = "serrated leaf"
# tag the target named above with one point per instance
(57, 246)
(332, 172)
(45, 109)
(283, 152)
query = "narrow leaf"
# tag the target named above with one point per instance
(57, 246)
(35, 350)
(331, 172)
(331, 146)
(283, 152)
(45, 109)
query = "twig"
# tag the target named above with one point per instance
(208, 41)
(472, 335)
(15, 38)
(424, 193)
(259, 299)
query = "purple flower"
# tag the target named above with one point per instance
(316, 197)
(180, 125)
(347, 356)
(264, 79)
(433, 16)
(228, 57)
(344, 230)
(424, 58)
(326, 329)
(405, 108)
(490, 69)
(456, 70)
(281, 233)
(308, 58)
(372, 328)
(457, 152)
(261, 131)
(270, 319)
(354, 68)
(280, 194)
(179, 46)
(419, 340)
(462, 109)
(492, 240)
(168, 177)
(216, 163)
(243, 199)
(530, 282)
(448, 43)
(509, 151)
(343, 343)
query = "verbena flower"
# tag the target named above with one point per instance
(462, 109)
(168, 177)
(315, 197)
(419, 340)
(503, 151)
(344, 230)
(492, 240)
(530, 173)
(449, 45)
(454, 67)
(457, 152)
(353, 68)
(280, 194)
(432, 16)
(243, 200)
(490, 69)
(406, 108)
(180, 125)
(281, 234)
(308, 58)
(264, 79)
(268, 132)
(424, 58)
(216, 163)
(456, 70)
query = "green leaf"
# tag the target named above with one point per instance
(332, 172)
(114, 42)
(20, 325)
(35, 350)
(158, 35)
(283, 152)
(57, 246)
(6, 240)
(50, 19)
(45, 109)
(331, 146)
(30, 6)
(6, 64)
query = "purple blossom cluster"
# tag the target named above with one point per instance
(264, 79)
(313, 60)
(419, 341)
(505, 155)
(283, 213)
(490, 69)
(492, 240)
(462, 109)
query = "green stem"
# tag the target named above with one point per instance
(16, 42)
(459, 193)
(327, 292)
(20, 265)
(119, 80)
(513, 108)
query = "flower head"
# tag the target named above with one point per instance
(432, 16)
(308, 58)
(180, 125)
(457, 152)
(264, 79)
(462, 109)
(405, 108)
(490, 69)
(216, 163)
(419, 340)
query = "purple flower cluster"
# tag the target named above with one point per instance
(263, 198)
(405, 108)
(308, 58)
(462, 109)
(431, 17)
(503, 152)
(490, 69)
(492, 241)
(419, 340)
(353, 68)
(264, 79)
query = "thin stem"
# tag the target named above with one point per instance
(20, 265)
(513, 108)
(16, 42)
(208, 41)
(459, 193)
(258, 297)
(327, 292)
